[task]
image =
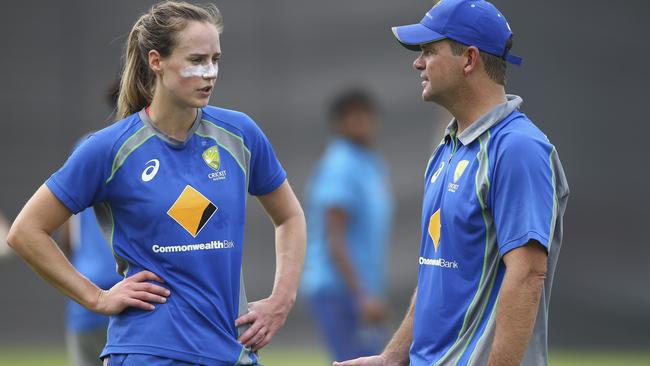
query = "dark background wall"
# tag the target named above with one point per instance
(584, 82)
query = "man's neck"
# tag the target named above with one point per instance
(472, 103)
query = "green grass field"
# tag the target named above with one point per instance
(315, 357)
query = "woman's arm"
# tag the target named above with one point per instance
(268, 315)
(30, 236)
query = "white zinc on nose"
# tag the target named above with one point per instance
(204, 71)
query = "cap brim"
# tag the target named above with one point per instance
(413, 35)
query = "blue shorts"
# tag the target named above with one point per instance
(139, 359)
(345, 334)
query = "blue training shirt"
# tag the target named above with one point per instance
(176, 208)
(352, 178)
(489, 190)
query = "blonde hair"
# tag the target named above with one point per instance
(155, 30)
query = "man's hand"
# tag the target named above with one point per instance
(132, 291)
(265, 318)
(372, 310)
(379, 360)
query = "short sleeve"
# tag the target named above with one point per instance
(522, 192)
(80, 182)
(336, 186)
(266, 172)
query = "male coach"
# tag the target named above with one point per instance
(494, 197)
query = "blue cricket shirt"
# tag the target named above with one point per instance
(493, 188)
(176, 208)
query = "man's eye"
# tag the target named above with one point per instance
(215, 60)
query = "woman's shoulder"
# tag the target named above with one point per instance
(114, 135)
(229, 119)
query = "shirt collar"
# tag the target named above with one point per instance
(494, 116)
(170, 140)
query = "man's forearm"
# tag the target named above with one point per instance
(515, 317)
(337, 223)
(397, 350)
(344, 265)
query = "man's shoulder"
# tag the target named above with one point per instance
(517, 130)
(340, 156)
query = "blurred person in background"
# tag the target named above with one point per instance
(349, 207)
(169, 184)
(494, 196)
(86, 248)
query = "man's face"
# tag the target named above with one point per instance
(441, 71)
(359, 124)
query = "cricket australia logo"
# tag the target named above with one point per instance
(460, 169)
(212, 158)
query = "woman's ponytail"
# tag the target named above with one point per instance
(155, 30)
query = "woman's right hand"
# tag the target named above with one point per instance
(133, 291)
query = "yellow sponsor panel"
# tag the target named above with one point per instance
(192, 210)
(434, 229)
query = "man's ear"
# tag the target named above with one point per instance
(472, 59)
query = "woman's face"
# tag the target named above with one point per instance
(188, 74)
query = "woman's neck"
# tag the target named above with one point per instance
(172, 120)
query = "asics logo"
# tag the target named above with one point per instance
(437, 173)
(150, 170)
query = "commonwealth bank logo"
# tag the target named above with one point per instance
(434, 229)
(192, 210)
(211, 157)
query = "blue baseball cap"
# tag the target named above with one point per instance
(470, 22)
